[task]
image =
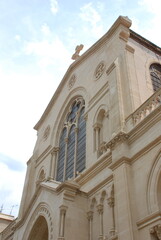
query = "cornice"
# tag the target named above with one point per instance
(149, 220)
(118, 163)
(103, 162)
(146, 43)
(100, 185)
(124, 21)
(146, 149)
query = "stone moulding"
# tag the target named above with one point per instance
(41, 210)
(148, 220)
(103, 162)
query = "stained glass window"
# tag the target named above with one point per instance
(155, 73)
(72, 144)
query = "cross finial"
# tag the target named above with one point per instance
(77, 51)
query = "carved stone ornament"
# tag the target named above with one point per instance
(46, 132)
(99, 70)
(72, 81)
(156, 231)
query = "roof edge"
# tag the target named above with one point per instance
(146, 43)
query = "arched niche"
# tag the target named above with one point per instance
(42, 216)
(154, 186)
(101, 128)
(39, 230)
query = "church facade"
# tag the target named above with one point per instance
(95, 172)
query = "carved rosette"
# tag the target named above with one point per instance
(99, 70)
(72, 81)
(46, 133)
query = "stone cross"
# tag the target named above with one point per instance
(77, 51)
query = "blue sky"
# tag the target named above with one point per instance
(37, 41)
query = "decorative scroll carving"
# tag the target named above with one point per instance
(72, 81)
(99, 70)
(78, 48)
(156, 231)
(120, 137)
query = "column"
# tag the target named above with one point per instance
(100, 211)
(110, 201)
(75, 152)
(63, 210)
(65, 160)
(90, 220)
(53, 162)
(123, 188)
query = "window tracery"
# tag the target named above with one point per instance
(155, 73)
(72, 144)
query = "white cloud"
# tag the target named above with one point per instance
(18, 38)
(48, 52)
(151, 29)
(152, 6)
(90, 15)
(45, 29)
(54, 6)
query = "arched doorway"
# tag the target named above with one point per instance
(39, 230)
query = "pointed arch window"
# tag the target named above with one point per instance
(72, 144)
(155, 73)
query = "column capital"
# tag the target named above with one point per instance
(100, 208)
(97, 126)
(110, 201)
(90, 215)
(76, 129)
(54, 150)
(63, 209)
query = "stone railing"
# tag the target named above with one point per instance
(146, 108)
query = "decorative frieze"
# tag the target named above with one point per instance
(120, 137)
